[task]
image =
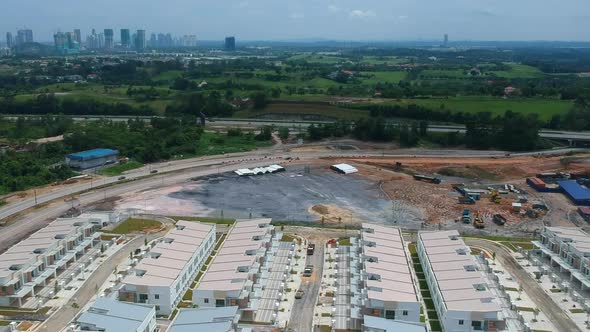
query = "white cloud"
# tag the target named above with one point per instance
(402, 17)
(362, 13)
(334, 9)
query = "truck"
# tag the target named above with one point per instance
(427, 178)
(466, 200)
(466, 216)
(478, 222)
(310, 249)
(499, 219)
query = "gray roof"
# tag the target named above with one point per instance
(115, 316)
(206, 319)
(390, 325)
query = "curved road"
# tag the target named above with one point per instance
(557, 316)
(28, 219)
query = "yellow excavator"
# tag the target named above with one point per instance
(478, 222)
(495, 197)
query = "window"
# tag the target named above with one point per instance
(143, 298)
(405, 313)
(205, 300)
(157, 308)
(220, 303)
(461, 322)
(157, 296)
(476, 325)
(389, 314)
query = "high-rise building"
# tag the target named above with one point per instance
(230, 43)
(24, 36)
(109, 38)
(125, 38)
(189, 41)
(153, 40)
(446, 40)
(78, 36)
(65, 43)
(9, 40)
(140, 40)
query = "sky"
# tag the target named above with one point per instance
(358, 20)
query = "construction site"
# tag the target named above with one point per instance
(473, 195)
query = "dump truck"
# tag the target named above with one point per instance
(427, 178)
(478, 222)
(466, 216)
(499, 219)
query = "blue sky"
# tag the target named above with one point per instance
(300, 19)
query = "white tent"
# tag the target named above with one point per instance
(344, 168)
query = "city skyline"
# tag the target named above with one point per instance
(500, 20)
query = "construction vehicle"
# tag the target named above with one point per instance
(478, 222)
(499, 219)
(495, 197)
(466, 200)
(466, 216)
(427, 178)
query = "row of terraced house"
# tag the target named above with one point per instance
(39, 260)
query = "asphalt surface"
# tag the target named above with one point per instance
(302, 311)
(555, 314)
(61, 318)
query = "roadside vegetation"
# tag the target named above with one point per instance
(135, 225)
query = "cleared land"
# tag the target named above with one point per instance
(134, 225)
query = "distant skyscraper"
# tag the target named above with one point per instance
(153, 40)
(65, 43)
(230, 43)
(9, 40)
(109, 38)
(24, 36)
(125, 38)
(140, 40)
(78, 36)
(446, 41)
(100, 40)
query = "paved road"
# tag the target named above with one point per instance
(559, 318)
(302, 312)
(61, 318)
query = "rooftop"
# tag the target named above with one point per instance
(390, 325)
(391, 265)
(92, 154)
(169, 257)
(578, 239)
(114, 316)
(575, 190)
(43, 240)
(462, 285)
(223, 271)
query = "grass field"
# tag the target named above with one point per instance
(132, 225)
(318, 111)
(383, 77)
(520, 71)
(119, 169)
(383, 60)
(212, 144)
(318, 58)
(545, 108)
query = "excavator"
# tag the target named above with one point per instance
(478, 222)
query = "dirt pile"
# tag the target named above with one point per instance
(332, 214)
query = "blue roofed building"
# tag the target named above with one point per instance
(221, 319)
(92, 158)
(108, 315)
(579, 194)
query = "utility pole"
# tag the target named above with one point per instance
(35, 194)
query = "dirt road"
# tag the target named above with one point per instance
(530, 286)
(302, 312)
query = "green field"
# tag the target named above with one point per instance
(212, 144)
(120, 168)
(516, 71)
(318, 58)
(545, 108)
(383, 60)
(316, 111)
(520, 71)
(383, 77)
(133, 225)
